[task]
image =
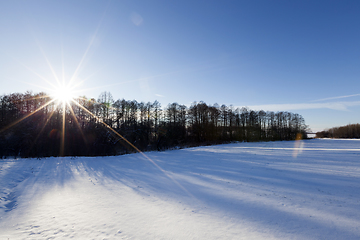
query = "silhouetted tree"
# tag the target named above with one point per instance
(32, 125)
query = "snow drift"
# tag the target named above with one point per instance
(269, 190)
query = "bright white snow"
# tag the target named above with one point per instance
(269, 190)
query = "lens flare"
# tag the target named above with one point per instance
(298, 146)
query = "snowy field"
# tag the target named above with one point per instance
(269, 190)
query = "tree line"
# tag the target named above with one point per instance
(348, 131)
(34, 125)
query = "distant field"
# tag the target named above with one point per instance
(269, 190)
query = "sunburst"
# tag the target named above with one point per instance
(63, 93)
(64, 96)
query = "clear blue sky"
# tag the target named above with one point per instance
(298, 56)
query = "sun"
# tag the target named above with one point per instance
(63, 94)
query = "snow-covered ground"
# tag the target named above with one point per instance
(269, 190)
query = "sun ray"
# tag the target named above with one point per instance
(23, 118)
(101, 104)
(111, 129)
(62, 144)
(39, 86)
(32, 98)
(47, 60)
(63, 130)
(43, 127)
(37, 97)
(79, 83)
(62, 63)
(136, 149)
(37, 74)
(77, 122)
(89, 46)
(83, 57)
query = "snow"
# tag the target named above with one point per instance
(267, 190)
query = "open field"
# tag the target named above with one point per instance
(267, 190)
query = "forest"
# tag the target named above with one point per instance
(35, 125)
(348, 131)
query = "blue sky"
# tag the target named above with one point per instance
(298, 56)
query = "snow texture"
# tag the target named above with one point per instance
(269, 190)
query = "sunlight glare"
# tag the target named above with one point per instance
(63, 94)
